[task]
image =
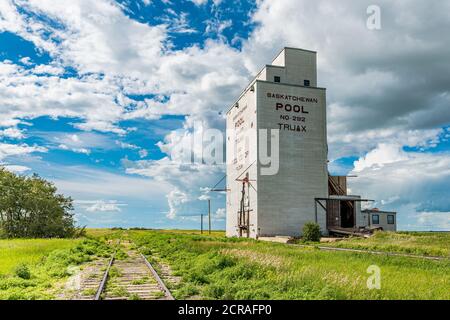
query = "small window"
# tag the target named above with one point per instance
(375, 219)
(276, 79)
(306, 83)
(390, 219)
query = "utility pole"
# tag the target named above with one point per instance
(201, 224)
(209, 216)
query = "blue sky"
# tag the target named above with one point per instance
(96, 95)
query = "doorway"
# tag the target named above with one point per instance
(347, 214)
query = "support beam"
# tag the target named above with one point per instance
(318, 201)
(315, 211)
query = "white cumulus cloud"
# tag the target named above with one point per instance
(412, 183)
(385, 89)
(101, 205)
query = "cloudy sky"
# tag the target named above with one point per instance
(94, 95)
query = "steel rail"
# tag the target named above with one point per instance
(101, 287)
(158, 279)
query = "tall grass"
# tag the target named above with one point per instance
(215, 267)
(221, 268)
(29, 251)
(420, 243)
(44, 265)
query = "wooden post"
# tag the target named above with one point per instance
(209, 216)
(201, 224)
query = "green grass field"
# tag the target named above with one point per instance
(215, 267)
(34, 268)
(30, 251)
(418, 243)
(221, 268)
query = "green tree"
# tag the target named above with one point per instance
(31, 207)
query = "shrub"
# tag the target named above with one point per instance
(311, 232)
(22, 271)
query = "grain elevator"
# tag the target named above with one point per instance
(282, 105)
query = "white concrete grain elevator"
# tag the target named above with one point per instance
(283, 99)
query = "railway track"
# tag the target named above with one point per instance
(130, 278)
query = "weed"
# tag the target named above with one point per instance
(114, 272)
(159, 294)
(139, 281)
(22, 271)
(89, 292)
(134, 296)
(119, 292)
